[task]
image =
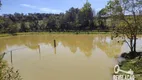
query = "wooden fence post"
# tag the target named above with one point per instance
(11, 57)
(54, 43)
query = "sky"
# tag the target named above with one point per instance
(46, 6)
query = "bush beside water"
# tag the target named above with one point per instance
(7, 72)
(132, 63)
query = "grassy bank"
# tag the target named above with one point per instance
(135, 65)
(5, 35)
(36, 33)
(7, 72)
(82, 32)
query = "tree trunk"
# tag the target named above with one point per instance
(135, 38)
(131, 44)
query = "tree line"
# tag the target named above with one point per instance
(74, 19)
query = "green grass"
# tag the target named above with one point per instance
(81, 32)
(36, 33)
(135, 65)
(5, 35)
(8, 72)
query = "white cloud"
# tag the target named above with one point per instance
(47, 10)
(98, 9)
(27, 5)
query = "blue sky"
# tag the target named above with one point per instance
(46, 6)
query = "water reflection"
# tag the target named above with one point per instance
(75, 57)
(86, 43)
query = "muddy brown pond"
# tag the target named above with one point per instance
(75, 57)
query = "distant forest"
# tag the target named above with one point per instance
(84, 19)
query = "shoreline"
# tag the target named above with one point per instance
(39, 33)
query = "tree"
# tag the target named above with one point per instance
(12, 28)
(34, 26)
(127, 20)
(2, 22)
(101, 19)
(70, 18)
(24, 27)
(0, 3)
(51, 23)
(85, 16)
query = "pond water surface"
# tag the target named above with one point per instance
(75, 57)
